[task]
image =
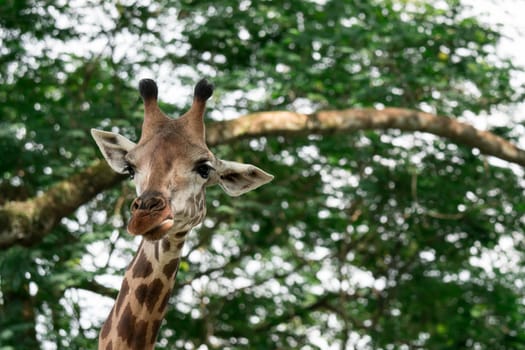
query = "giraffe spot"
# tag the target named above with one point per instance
(135, 256)
(180, 245)
(153, 293)
(181, 234)
(164, 302)
(141, 293)
(148, 294)
(124, 290)
(165, 245)
(155, 326)
(157, 244)
(170, 268)
(126, 324)
(139, 335)
(142, 267)
(109, 346)
(107, 326)
(133, 332)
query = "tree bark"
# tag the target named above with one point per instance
(26, 222)
(349, 120)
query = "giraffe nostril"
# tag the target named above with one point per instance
(148, 203)
(136, 204)
(154, 204)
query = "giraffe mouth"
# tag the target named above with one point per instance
(159, 231)
(151, 225)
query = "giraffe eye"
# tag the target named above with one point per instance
(203, 170)
(128, 169)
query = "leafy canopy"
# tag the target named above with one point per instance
(371, 240)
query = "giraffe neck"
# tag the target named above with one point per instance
(134, 321)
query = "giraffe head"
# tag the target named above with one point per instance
(171, 166)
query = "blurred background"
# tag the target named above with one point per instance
(364, 240)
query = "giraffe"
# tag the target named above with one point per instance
(170, 166)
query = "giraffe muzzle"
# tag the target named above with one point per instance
(151, 216)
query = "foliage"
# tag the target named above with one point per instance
(371, 240)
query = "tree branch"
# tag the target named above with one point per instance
(26, 222)
(348, 120)
(95, 287)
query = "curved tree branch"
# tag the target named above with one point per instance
(26, 222)
(348, 120)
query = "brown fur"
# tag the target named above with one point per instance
(142, 267)
(124, 289)
(165, 245)
(155, 326)
(107, 325)
(164, 302)
(142, 301)
(171, 267)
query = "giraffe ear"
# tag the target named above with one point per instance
(114, 148)
(238, 178)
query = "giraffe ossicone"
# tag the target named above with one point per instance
(171, 166)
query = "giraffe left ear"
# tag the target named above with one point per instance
(238, 178)
(114, 148)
